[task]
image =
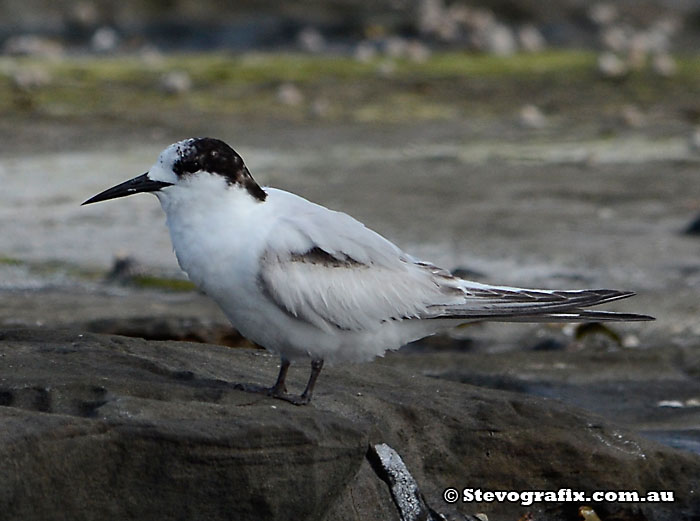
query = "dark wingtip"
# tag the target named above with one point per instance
(643, 318)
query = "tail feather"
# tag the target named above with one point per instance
(580, 316)
(506, 304)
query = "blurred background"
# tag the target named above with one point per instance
(546, 144)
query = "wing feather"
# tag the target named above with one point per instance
(328, 269)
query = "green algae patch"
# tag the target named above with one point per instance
(447, 85)
(163, 283)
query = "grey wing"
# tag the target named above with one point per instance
(335, 291)
(328, 269)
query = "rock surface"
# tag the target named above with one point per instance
(109, 427)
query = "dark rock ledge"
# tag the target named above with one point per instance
(108, 427)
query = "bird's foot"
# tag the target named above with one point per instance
(302, 399)
(278, 392)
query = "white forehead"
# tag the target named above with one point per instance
(170, 155)
(162, 170)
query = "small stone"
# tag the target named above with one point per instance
(395, 47)
(603, 13)
(532, 117)
(417, 51)
(31, 45)
(320, 108)
(675, 404)
(638, 50)
(611, 66)
(606, 213)
(630, 341)
(694, 141)
(151, 55)
(28, 78)
(632, 117)
(289, 94)
(431, 14)
(664, 65)
(104, 40)
(500, 41)
(530, 39)
(365, 51)
(386, 68)
(311, 40)
(176, 82)
(616, 38)
(480, 20)
(124, 268)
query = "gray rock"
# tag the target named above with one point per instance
(108, 427)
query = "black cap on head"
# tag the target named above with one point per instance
(214, 156)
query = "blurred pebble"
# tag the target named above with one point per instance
(434, 19)
(386, 68)
(531, 117)
(638, 50)
(395, 47)
(610, 66)
(320, 108)
(430, 15)
(417, 51)
(630, 341)
(28, 78)
(84, 14)
(289, 94)
(530, 39)
(151, 55)
(460, 13)
(365, 51)
(603, 13)
(31, 45)
(588, 514)
(694, 141)
(569, 329)
(500, 41)
(104, 40)
(311, 40)
(124, 268)
(664, 65)
(632, 117)
(670, 403)
(616, 38)
(659, 40)
(606, 213)
(176, 82)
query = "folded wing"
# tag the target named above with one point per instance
(331, 271)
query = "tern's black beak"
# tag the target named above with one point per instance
(138, 184)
